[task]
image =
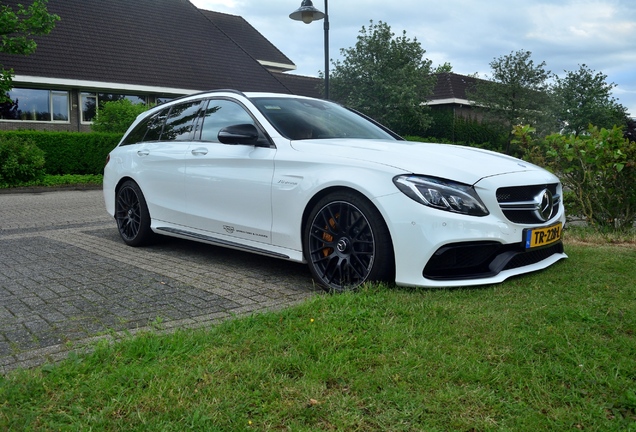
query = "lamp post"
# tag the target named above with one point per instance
(308, 13)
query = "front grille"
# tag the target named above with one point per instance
(520, 204)
(473, 260)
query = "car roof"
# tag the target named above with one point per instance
(210, 93)
(247, 95)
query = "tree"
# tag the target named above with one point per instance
(517, 92)
(584, 98)
(17, 29)
(116, 116)
(385, 77)
(443, 68)
(630, 129)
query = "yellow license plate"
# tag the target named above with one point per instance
(542, 236)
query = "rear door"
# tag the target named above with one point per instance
(160, 160)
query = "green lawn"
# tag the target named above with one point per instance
(550, 351)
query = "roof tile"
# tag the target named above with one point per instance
(246, 36)
(164, 43)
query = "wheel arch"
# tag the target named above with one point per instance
(333, 189)
(124, 180)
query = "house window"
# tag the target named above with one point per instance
(90, 101)
(59, 105)
(162, 100)
(89, 106)
(36, 105)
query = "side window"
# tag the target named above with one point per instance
(179, 123)
(155, 125)
(219, 114)
(149, 129)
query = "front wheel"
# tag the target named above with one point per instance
(347, 243)
(132, 216)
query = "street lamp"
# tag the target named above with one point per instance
(308, 13)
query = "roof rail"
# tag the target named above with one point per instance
(238, 92)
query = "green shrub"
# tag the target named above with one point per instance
(116, 116)
(20, 161)
(427, 139)
(598, 170)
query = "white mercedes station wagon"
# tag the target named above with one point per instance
(311, 181)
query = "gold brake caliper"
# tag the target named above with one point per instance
(328, 237)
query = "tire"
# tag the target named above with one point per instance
(132, 216)
(347, 243)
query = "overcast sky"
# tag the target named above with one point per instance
(468, 34)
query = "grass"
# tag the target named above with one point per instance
(60, 180)
(554, 350)
(577, 234)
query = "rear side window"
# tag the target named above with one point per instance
(173, 123)
(179, 123)
(155, 125)
(148, 129)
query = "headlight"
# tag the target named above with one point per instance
(441, 194)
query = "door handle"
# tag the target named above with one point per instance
(143, 152)
(201, 151)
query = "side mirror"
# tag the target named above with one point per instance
(239, 134)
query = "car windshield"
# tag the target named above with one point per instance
(299, 118)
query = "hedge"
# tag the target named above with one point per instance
(447, 127)
(70, 152)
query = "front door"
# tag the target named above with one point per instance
(228, 186)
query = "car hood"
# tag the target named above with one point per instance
(464, 164)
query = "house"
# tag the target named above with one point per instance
(151, 51)
(452, 92)
(147, 51)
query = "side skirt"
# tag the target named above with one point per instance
(217, 242)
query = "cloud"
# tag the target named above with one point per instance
(221, 5)
(465, 33)
(581, 25)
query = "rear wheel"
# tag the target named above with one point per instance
(347, 242)
(132, 216)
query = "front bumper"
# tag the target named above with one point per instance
(435, 248)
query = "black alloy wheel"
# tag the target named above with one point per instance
(132, 216)
(347, 243)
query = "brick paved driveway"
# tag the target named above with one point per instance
(66, 278)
